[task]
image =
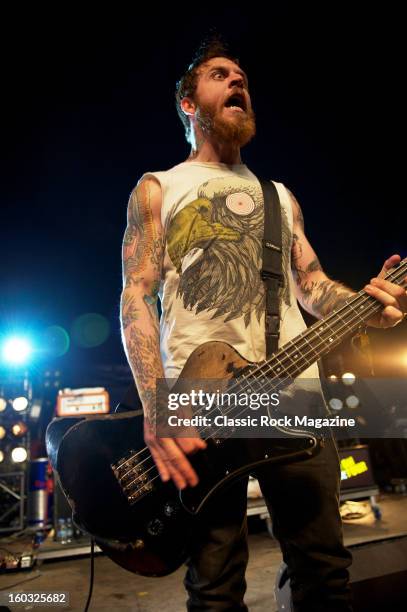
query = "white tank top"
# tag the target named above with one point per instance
(212, 216)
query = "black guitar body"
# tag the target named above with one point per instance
(148, 537)
(146, 527)
(113, 486)
(110, 478)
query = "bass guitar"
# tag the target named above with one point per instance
(109, 476)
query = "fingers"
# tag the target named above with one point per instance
(388, 264)
(160, 463)
(390, 317)
(191, 445)
(393, 297)
(171, 461)
(179, 465)
(388, 293)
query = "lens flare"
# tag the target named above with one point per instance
(16, 350)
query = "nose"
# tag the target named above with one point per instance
(237, 81)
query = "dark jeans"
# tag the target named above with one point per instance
(303, 500)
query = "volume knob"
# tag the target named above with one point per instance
(155, 527)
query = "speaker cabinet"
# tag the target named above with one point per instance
(378, 577)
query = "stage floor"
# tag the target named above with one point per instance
(118, 590)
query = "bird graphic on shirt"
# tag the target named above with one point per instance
(215, 244)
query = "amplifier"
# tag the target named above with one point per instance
(378, 577)
(75, 402)
(356, 468)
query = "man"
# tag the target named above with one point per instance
(194, 237)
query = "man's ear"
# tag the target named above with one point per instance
(188, 106)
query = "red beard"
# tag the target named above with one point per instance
(237, 131)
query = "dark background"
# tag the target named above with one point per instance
(88, 107)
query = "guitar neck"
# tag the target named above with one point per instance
(319, 339)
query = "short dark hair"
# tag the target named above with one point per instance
(214, 46)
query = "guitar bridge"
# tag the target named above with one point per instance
(133, 475)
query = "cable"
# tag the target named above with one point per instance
(92, 572)
(35, 574)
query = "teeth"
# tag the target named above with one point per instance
(236, 108)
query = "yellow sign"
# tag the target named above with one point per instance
(350, 468)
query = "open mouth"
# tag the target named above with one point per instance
(236, 102)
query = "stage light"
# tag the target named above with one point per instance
(35, 409)
(20, 404)
(352, 401)
(3, 404)
(19, 429)
(16, 351)
(1, 456)
(348, 378)
(333, 378)
(18, 454)
(2, 433)
(335, 403)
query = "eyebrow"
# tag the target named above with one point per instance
(220, 67)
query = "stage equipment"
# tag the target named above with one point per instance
(378, 577)
(75, 402)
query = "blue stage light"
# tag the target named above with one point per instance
(16, 351)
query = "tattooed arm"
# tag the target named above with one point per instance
(319, 295)
(142, 257)
(143, 252)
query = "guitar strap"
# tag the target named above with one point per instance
(271, 274)
(272, 267)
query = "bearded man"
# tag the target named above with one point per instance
(194, 239)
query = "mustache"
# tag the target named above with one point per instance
(238, 132)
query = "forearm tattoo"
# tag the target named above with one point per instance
(323, 296)
(319, 294)
(142, 259)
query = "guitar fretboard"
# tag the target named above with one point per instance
(319, 339)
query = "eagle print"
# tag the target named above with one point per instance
(215, 243)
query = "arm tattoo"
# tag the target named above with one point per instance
(141, 244)
(319, 294)
(142, 350)
(322, 297)
(296, 251)
(129, 310)
(300, 275)
(143, 249)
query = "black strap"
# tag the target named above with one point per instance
(272, 268)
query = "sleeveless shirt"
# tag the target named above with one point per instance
(210, 288)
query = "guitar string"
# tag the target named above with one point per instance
(374, 306)
(143, 474)
(363, 298)
(287, 354)
(139, 489)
